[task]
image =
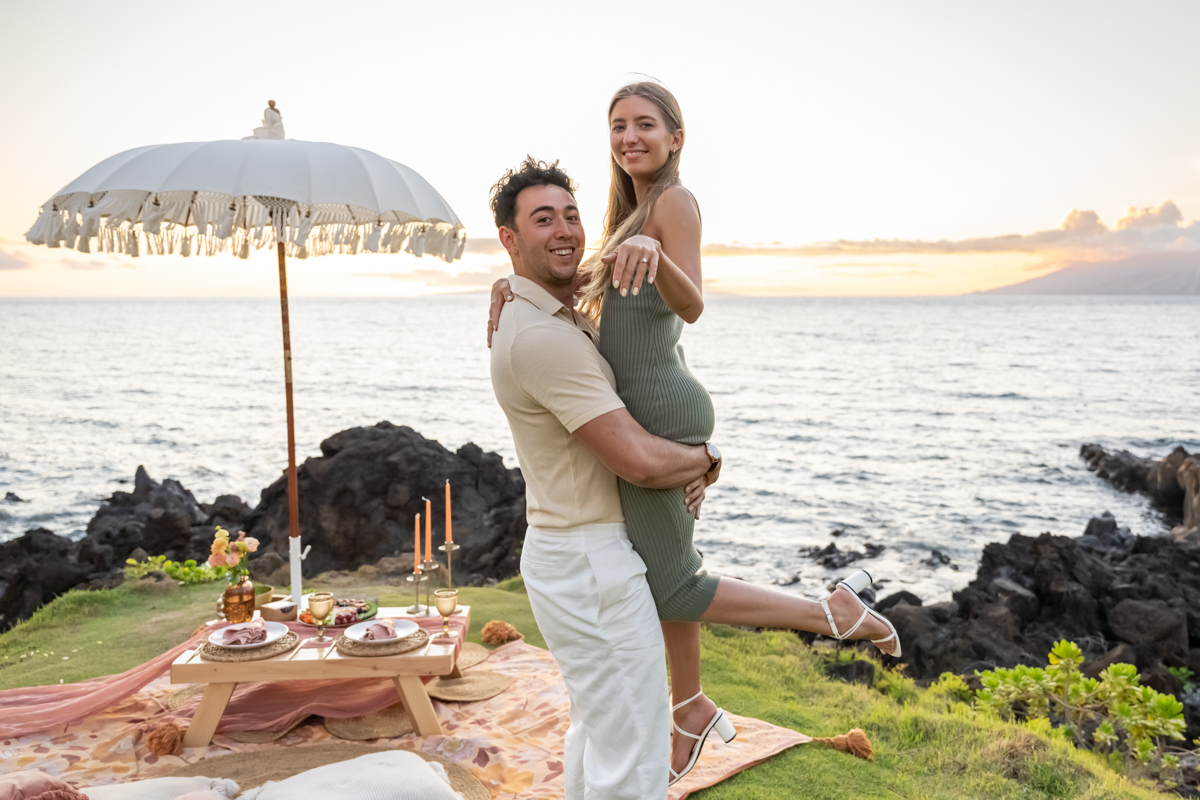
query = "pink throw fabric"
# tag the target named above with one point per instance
(254, 706)
(32, 784)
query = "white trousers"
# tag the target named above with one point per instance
(592, 603)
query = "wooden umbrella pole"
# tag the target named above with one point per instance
(293, 486)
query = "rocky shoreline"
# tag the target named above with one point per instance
(357, 503)
(1120, 597)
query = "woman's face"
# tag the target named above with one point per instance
(639, 137)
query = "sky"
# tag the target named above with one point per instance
(874, 148)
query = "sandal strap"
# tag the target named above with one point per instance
(678, 706)
(829, 616)
(858, 624)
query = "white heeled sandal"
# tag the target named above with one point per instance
(856, 583)
(719, 721)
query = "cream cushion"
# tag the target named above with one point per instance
(395, 775)
(162, 789)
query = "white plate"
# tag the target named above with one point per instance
(404, 628)
(275, 631)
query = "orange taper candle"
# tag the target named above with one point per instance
(449, 537)
(417, 544)
(428, 531)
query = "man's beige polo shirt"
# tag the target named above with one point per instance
(550, 379)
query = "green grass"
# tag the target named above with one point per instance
(925, 747)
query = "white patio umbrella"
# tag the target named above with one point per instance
(306, 198)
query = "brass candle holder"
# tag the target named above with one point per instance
(449, 549)
(427, 569)
(416, 579)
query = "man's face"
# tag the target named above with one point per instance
(548, 237)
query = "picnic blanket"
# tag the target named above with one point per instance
(513, 743)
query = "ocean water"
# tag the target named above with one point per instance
(916, 423)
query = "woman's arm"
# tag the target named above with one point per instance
(501, 294)
(678, 277)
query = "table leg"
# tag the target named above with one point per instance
(208, 714)
(416, 703)
(454, 673)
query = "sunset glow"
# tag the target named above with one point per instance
(884, 125)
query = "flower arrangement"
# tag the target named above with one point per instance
(232, 554)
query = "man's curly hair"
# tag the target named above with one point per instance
(531, 173)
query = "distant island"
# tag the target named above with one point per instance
(1146, 273)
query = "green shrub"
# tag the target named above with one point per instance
(1184, 676)
(187, 573)
(1132, 723)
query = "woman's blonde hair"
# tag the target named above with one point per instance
(625, 217)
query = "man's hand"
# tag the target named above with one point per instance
(694, 494)
(711, 476)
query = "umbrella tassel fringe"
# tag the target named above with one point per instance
(116, 222)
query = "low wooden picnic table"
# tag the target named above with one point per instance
(313, 663)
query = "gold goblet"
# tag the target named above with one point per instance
(320, 605)
(447, 603)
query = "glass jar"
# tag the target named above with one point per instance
(239, 599)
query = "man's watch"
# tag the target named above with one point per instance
(714, 455)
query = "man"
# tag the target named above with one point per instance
(573, 435)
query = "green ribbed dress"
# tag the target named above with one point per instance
(639, 337)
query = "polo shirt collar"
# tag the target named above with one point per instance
(535, 294)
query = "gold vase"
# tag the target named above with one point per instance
(239, 600)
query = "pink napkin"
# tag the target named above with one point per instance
(379, 631)
(251, 635)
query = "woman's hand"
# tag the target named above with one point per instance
(694, 494)
(501, 294)
(635, 259)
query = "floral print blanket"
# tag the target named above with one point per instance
(513, 743)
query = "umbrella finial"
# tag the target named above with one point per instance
(272, 126)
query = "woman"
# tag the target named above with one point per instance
(639, 289)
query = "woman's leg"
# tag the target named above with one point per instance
(740, 603)
(682, 640)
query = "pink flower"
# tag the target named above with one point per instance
(241, 535)
(252, 544)
(216, 560)
(233, 559)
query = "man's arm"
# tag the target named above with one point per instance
(639, 457)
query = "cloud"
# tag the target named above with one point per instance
(485, 245)
(1155, 229)
(1166, 214)
(10, 260)
(852, 265)
(432, 277)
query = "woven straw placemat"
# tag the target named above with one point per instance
(179, 697)
(479, 684)
(472, 655)
(276, 763)
(211, 652)
(389, 723)
(349, 647)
